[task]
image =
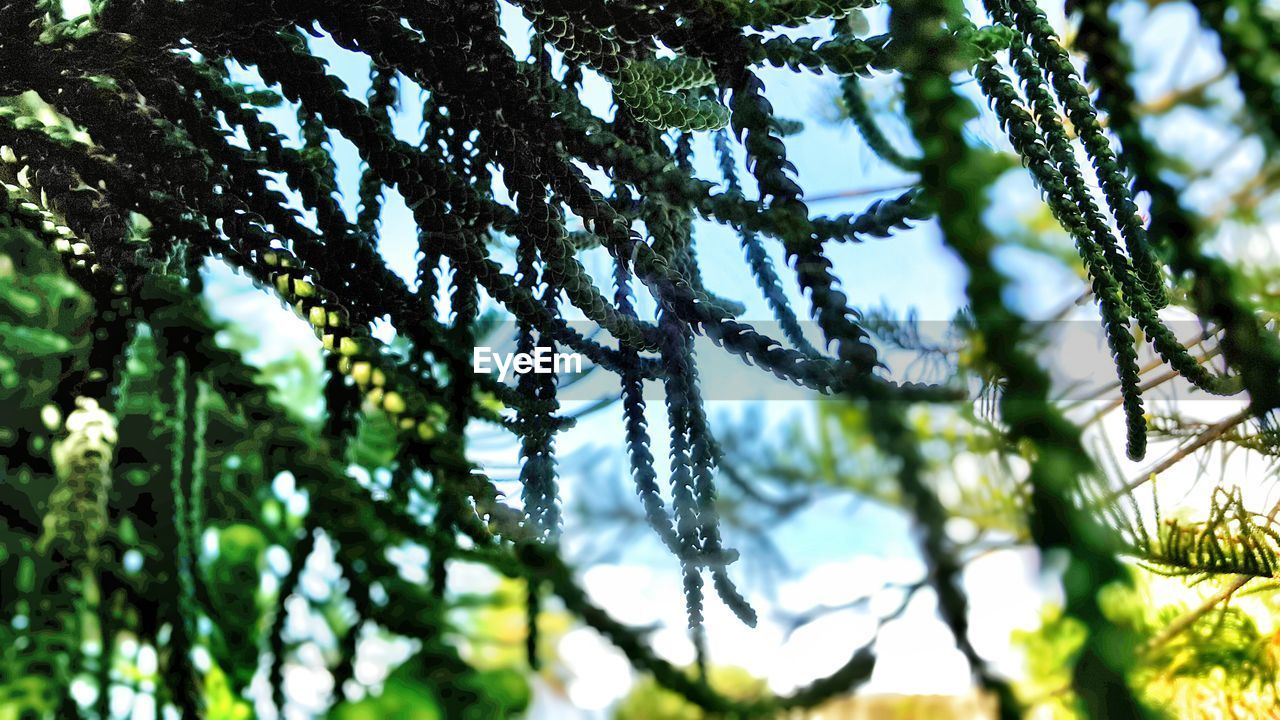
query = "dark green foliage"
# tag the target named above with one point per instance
(1058, 70)
(855, 104)
(1026, 140)
(951, 171)
(758, 257)
(122, 173)
(382, 100)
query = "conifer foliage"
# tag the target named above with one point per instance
(130, 158)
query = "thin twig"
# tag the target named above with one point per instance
(1186, 620)
(1156, 363)
(1213, 432)
(861, 192)
(1148, 386)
